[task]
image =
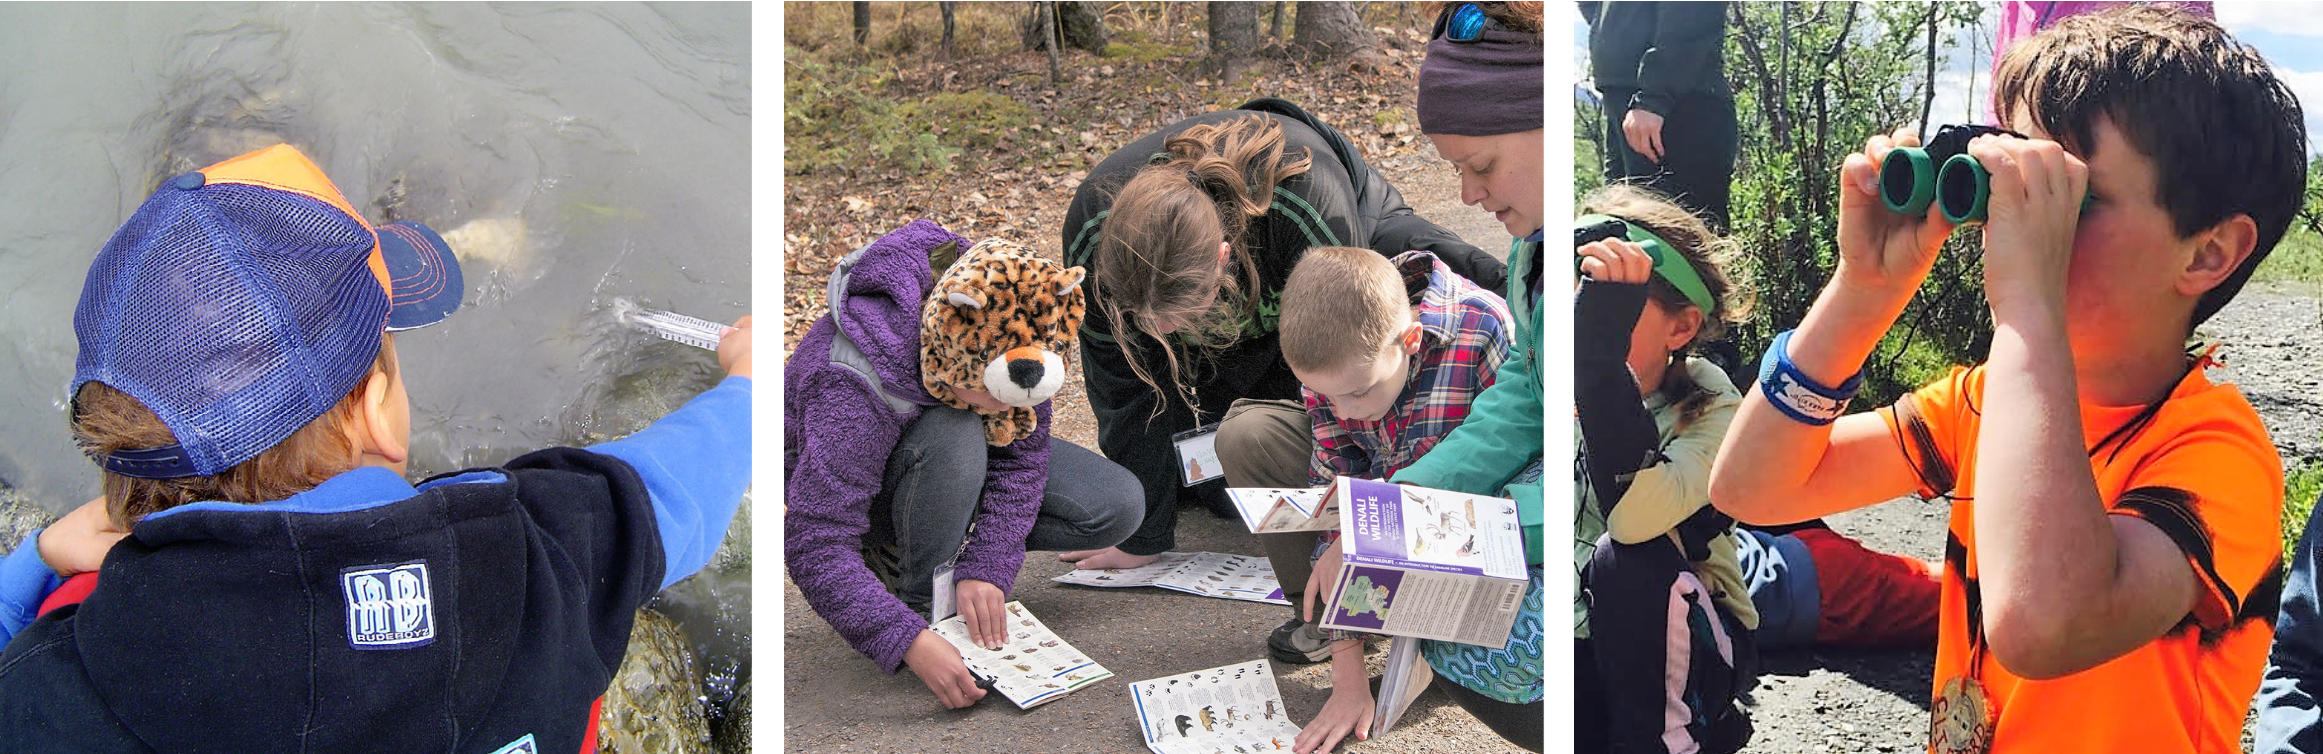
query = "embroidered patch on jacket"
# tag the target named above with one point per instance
(519, 746)
(389, 607)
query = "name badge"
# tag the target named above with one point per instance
(943, 605)
(1198, 454)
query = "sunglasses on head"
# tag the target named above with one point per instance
(1464, 23)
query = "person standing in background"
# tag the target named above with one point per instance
(1659, 69)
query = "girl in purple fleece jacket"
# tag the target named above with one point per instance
(887, 482)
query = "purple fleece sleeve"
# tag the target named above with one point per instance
(1015, 476)
(828, 509)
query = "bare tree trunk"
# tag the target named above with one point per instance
(1275, 29)
(862, 23)
(1052, 40)
(1080, 24)
(1928, 102)
(1233, 36)
(946, 7)
(1332, 31)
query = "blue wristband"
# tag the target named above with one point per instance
(1798, 397)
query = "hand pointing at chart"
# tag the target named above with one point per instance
(734, 348)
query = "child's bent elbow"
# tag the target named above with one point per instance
(2033, 646)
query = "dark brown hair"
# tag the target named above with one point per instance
(106, 420)
(1157, 257)
(1339, 308)
(2226, 137)
(1706, 251)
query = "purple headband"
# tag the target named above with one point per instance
(1489, 86)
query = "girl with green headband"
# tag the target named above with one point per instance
(1655, 565)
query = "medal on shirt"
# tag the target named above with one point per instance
(1962, 718)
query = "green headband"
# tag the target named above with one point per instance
(1670, 265)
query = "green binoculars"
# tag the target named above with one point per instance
(1941, 173)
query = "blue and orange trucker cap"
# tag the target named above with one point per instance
(244, 300)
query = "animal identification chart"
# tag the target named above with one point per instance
(1267, 510)
(1033, 668)
(1426, 563)
(1210, 574)
(1231, 708)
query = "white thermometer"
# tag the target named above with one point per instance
(693, 331)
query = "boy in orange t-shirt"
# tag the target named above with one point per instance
(2113, 559)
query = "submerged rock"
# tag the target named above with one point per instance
(654, 704)
(733, 731)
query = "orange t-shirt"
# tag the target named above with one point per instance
(2202, 470)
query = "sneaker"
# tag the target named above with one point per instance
(1298, 642)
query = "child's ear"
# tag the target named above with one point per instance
(2217, 252)
(1684, 325)
(1411, 338)
(376, 435)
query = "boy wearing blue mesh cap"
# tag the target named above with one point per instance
(282, 587)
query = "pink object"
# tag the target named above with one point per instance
(2019, 20)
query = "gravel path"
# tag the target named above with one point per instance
(1850, 701)
(2273, 336)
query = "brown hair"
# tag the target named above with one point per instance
(1157, 257)
(106, 420)
(2226, 137)
(1339, 308)
(1523, 17)
(1706, 252)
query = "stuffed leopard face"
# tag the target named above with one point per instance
(1000, 320)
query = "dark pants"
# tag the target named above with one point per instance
(1699, 143)
(1271, 443)
(935, 479)
(1141, 443)
(1643, 598)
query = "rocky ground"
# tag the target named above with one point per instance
(1846, 701)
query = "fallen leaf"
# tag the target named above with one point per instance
(856, 203)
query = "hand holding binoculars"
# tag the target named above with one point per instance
(1942, 173)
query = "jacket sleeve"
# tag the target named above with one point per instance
(827, 510)
(2289, 721)
(25, 580)
(1618, 436)
(1685, 51)
(1397, 229)
(1015, 477)
(695, 463)
(1664, 494)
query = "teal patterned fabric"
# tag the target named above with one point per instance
(1510, 674)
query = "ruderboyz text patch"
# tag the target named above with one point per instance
(389, 606)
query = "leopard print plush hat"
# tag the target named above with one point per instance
(1000, 320)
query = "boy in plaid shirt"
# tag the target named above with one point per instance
(1389, 353)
